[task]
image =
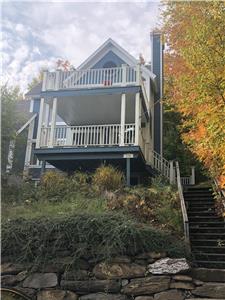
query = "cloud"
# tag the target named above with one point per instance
(36, 34)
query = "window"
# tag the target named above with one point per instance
(109, 64)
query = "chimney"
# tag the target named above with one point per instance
(157, 48)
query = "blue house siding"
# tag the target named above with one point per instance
(109, 57)
(36, 109)
(156, 56)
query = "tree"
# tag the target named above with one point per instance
(195, 72)
(9, 120)
(36, 80)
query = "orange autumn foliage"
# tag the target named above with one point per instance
(195, 77)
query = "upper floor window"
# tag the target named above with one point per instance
(109, 64)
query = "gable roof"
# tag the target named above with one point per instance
(108, 45)
(111, 45)
(35, 91)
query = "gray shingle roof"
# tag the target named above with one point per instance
(35, 91)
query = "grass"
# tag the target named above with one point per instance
(37, 209)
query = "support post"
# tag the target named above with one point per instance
(171, 175)
(138, 76)
(44, 82)
(53, 120)
(192, 175)
(128, 171)
(124, 74)
(137, 118)
(122, 119)
(40, 120)
(43, 166)
(46, 117)
(29, 146)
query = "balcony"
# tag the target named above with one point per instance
(92, 78)
(91, 135)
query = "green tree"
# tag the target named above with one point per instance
(9, 120)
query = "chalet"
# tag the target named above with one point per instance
(108, 110)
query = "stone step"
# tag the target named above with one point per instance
(211, 264)
(200, 205)
(199, 188)
(208, 235)
(205, 242)
(200, 210)
(207, 224)
(196, 197)
(207, 249)
(201, 202)
(209, 256)
(208, 274)
(198, 229)
(201, 213)
(204, 219)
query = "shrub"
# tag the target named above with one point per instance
(54, 185)
(84, 235)
(80, 181)
(107, 178)
(15, 190)
(158, 204)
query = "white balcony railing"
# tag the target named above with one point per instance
(78, 79)
(90, 135)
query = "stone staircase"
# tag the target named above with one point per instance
(207, 230)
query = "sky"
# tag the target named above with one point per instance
(35, 34)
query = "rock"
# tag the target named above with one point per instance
(40, 280)
(142, 256)
(169, 295)
(75, 275)
(144, 298)
(213, 275)
(103, 296)
(182, 278)
(169, 266)
(114, 271)
(210, 290)
(56, 295)
(11, 269)
(156, 255)
(197, 282)
(202, 299)
(11, 280)
(182, 285)
(124, 282)
(89, 286)
(147, 285)
(120, 259)
(141, 262)
(26, 291)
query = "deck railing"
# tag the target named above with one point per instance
(90, 135)
(161, 164)
(104, 77)
(183, 206)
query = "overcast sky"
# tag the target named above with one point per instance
(36, 33)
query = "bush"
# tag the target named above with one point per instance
(15, 190)
(84, 235)
(81, 182)
(158, 204)
(54, 185)
(107, 178)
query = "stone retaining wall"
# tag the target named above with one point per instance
(149, 276)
